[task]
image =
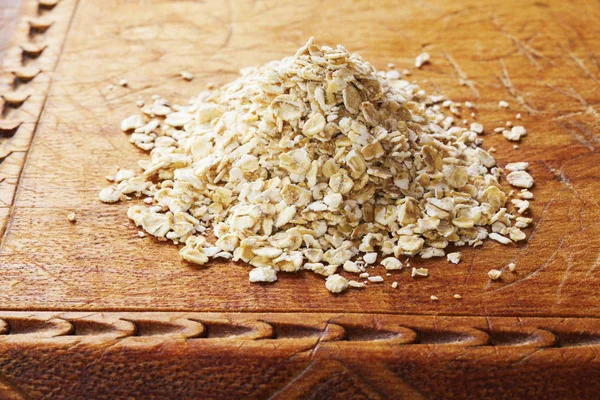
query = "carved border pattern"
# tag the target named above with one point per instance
(364, 329)
(295, 356)
(26, 73)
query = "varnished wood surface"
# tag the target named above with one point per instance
(9, 14)
(57, 147)
(101, 263)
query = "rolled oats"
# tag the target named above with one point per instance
(307, 162)
(422, 59)
(336, 283)
(494, 274)
(391, 263)
(520, 179)
(454, 258)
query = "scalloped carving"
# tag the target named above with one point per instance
(15, 99)
(102, 327)
(333, 332)
(526, 337)
(166, 327)
(4, 328)
(33, 50)
(9, 127)
(399, 335)
(26, 74)
(457, 336)
(40, 24)
(281, 326)
(294, 331)
(47, 4)
(566, 338)
(38, 328)
(25, 69)
(229, 330)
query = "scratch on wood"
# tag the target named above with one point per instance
(580, 138)
(463, 79)
(582, 66)
(564, 279)
(587, 106)
(594, 265)
(505, 79)
(529, 52)
(580, 37)
(573, 94)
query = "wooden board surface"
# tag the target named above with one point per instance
(59, 144)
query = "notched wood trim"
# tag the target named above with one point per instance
(38, 31)
(344, 329)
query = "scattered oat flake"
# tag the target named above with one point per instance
(518, 116)
(391, 263)
(336, 283)
(419, 272)
(375, 279)
(494, 274)
(264, 274)
(454, 258)
(499, 238)
(512, 267)
(521, 205)
(457, 296)
(394, 285)
(503, 104)
(434, 298)
(123, 82)
(141, 234)
(525, 194)
(515, 133)
(517, 166)
(370, 258)
(477, 127)
(188, 76)
(422, 59)
(72, 217)
(520, 179)
(356, 284)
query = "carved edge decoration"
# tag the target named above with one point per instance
(76, 355)
(344, 329)
(26, 73)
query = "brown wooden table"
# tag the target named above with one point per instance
(91, 310)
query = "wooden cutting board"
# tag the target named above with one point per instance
(91, 310)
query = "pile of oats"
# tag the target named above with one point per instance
(315, 162)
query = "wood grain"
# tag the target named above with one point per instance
(100, 310)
